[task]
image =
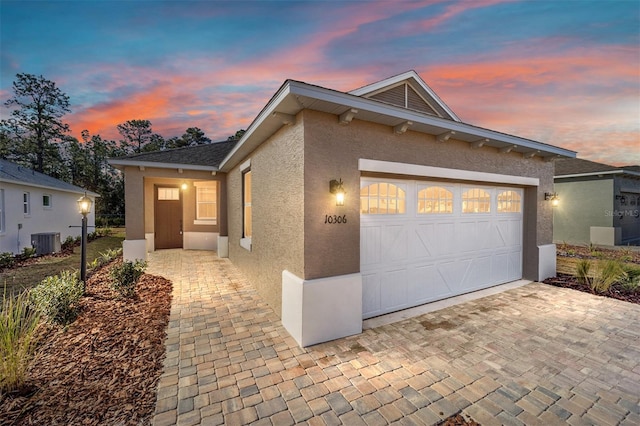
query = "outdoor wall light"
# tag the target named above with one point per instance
(553, 196)
(84, 207)
(335, 187)
(184, 186)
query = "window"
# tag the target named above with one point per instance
(246, 191)
(382, 198)
(46, 201)
(509, 202)
(476, 200)
(2, 228)
(26, 203)
(435, 200)
(168, 194)
(206, 203)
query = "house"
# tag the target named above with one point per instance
(600, 204)
(342, 206)
(36, 208)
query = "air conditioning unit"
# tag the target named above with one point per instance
(46, 242)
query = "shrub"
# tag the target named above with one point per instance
(70, 242)
(7, 259)
(583, 266)
(18, 324)
(125, 276)
(608, 273)
(57, 297)
(104, 231)
(28, 252)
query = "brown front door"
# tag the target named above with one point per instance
(168, 217)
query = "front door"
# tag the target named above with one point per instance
(168, 217)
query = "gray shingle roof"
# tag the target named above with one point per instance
(576, 166)
(12, 172)
(200, 155)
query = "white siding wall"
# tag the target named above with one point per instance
(62, 214)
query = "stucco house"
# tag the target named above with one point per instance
(36, 208)
(600, 204)
(342, 206)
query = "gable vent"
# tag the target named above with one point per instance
(404, 96)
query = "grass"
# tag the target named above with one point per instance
(18, 279)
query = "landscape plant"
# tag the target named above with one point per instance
(125, 276)
(7, 259)
(18, 325)
(57, 297)
(601, 275)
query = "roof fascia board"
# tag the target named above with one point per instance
(158, 165)
(610, 172)
(392, 81)
(266, 112)
(352, 101)
(52, 188)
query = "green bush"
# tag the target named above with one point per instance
(125, 276)
(7, 259)
(57, 297)
(28, 252)
(608, 273)
(70, 242)
(583, 266)
(18, 324)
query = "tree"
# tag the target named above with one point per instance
(237, 136)
(136, 134)
(194, 136)
(38, 107)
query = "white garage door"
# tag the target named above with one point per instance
(423, 241)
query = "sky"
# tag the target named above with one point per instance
(562, 72)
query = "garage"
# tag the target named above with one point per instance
(424, 240)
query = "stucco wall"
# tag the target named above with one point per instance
(277, 204)
(583, 204)
(332, 151)
(62, 216)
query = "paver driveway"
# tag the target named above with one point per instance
(532, 355)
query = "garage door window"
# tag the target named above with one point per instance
(435, 200)
(476, 200)
(382, 198)
(509, 202)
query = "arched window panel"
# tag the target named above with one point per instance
(382, 198)
(435, 200)
(476, 200)
(509, 202)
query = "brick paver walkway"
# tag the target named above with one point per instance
(532, 355)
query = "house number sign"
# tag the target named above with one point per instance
(332, 219)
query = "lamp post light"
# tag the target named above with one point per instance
(84, 206)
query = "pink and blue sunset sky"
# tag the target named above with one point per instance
(563, 72)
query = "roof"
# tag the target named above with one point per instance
(294, 96)
(199, 157)
(578, 167)
(14, 173)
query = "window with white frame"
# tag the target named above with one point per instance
(26, 203)
(46, 201)
(435, 200)
(247, 230)
(168, 194)
(509, 202)
(206, 203)
(476, 200)
(382, 198)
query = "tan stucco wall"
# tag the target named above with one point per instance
(583, 204)
(332, 151)
(277, 204)
(139, 185)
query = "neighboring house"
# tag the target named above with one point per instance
(433, 207)
(599, 204)
(34, 203)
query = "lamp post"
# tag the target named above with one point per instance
(84, 206)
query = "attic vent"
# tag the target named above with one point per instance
(404, 96)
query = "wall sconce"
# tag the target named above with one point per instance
(335, 187)
(184, 186)
(553, 196)
(622, 198)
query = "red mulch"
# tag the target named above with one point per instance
(104, 367)
(458, 420)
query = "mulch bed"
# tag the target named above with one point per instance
(104, 367)
(458, 420)
(615, 292)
